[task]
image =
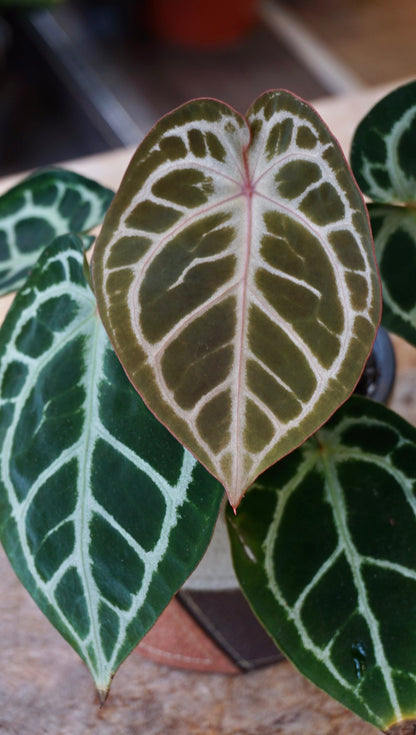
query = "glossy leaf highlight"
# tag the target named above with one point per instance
(235, 276)
(41, 207)
(324, 546)
(103, 513)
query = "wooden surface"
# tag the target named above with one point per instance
(45, 688)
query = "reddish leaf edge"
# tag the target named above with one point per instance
(377, 272)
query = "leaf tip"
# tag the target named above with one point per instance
(103, 689)
(234, 502)
(235, 494)
(103, 692)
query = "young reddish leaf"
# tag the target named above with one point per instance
(235, 276)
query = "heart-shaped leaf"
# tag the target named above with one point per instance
(394, 231)
(40, 208)
(235, 276)
(383, 150)
(324, 546)
(103, 513)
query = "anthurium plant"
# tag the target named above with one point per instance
(234, 280)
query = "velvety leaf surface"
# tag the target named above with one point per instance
(40, 208)
(324, 546)
(235, 276)
(383, 151)
(103, 513)
(394, 231)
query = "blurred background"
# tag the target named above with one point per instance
(82, 76)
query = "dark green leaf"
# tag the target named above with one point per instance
(383, 152)
(40, 208)
(103, 514)
(394, 230)
(324, 546)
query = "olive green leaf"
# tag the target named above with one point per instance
(235, 276)
(103, 514)
(41, 207)
(324, 546)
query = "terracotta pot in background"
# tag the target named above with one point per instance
(202, 22)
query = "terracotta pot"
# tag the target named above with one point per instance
(209, 626)
(202, 22)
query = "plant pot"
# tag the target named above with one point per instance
(201, 22)
(209, 626)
